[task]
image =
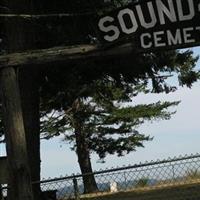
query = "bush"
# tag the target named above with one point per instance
(142, 182)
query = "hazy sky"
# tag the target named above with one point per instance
(178, 136)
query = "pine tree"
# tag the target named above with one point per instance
(101, 123)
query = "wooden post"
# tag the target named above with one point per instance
(19, 173)
(4, 176)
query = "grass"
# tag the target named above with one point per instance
(179, 192)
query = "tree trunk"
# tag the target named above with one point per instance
(19, 172)
(83, 153)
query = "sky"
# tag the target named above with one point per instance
(178, 136)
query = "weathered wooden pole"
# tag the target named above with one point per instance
(18, 36)
(19, 172)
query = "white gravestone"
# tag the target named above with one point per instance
(113, 187)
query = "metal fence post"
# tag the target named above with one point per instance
(76, 189)
(125, 179)
(173, 172)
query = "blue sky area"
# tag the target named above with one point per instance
(178, 136)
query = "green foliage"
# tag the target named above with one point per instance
(143, 182)
(149, 71)
(104, 120)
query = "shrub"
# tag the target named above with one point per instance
(142, 182)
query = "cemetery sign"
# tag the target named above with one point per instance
(153, 24)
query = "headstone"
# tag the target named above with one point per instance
(113, 187)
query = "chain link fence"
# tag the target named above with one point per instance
(171, 179)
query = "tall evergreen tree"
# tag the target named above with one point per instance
(100, 123)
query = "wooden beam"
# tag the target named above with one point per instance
(62, 54)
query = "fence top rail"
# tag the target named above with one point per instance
(151, 163)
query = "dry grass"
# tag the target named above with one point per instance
(190, 191)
